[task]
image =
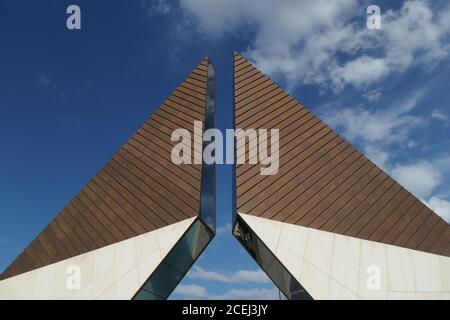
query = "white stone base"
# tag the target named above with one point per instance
(116, 271)
(334, 266)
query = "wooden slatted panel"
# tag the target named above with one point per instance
(137, 191)
(323, 182)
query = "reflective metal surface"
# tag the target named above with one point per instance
(283, 279)
(177, 263)
(184, 254)
(208, 181)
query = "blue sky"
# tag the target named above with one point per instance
(69, 99)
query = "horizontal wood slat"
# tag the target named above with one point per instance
(137, 191)
(323, 182)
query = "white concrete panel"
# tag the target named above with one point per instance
(292, 255)
(393, 295)
(116, 271)
(429, 296)
(319, 249)
(125, 257)
(290, 234)
(26, 283)
(128, 284)
(270, 232)
(427, 273)
(345, 263)
(149, 264)
(291, 260)
(334, 266)
(43, 283)
(315, 281)
(444, 264)
(336, 291)
(372, 271)
(105, 265)
(400, 269)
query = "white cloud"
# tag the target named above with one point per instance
(156, 7)
(5, 239)
(251, 276)
(437, 114)
(44, 80)
(249, 294)
(359, 72)
(200, 273)
(198, 292)
(326, 43)
(415, 30)
(241, 276)
(389, 125)
(422, 177)
(373, 96)
(441, 116)
(379, 131)
(419, 178)
(69, 119)
(191, 291)
(440, 206)
(377, 155)
(223, 229)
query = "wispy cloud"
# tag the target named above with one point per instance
(377, 155)
(49, 85)
(329, 44)
(379, 131)
(421, 178)
(241, 276)
(249, 294)
(440, 206)
(388, 125)
(373, 96)
(44, 80)
(223, 229)
(67, 119)
(192, 291)
(156, 7)
(441, 116)
(4, 240)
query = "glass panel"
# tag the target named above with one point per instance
(208, 183)
(179, 260)
(145, 295)
(164, 280)
(276, 271)
(182, 256)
